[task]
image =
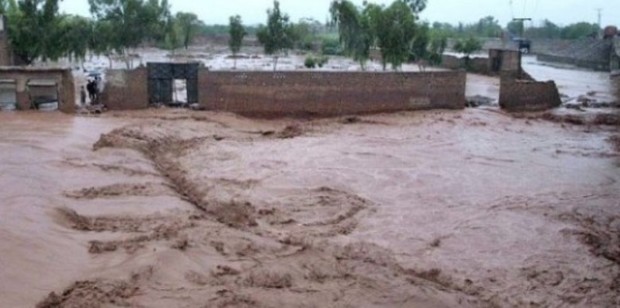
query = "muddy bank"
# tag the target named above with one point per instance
(429, 209)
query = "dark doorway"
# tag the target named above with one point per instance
(173, 83)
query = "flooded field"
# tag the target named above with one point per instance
(173, 208)
(166, 208)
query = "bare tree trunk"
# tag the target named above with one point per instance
(275, 63)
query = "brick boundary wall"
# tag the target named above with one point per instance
(526, 95)
(126, 89)
(329, 93)
(272, 94)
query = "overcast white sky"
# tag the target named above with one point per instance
(253, 11)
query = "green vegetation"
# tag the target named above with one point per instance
(468, 46)
(237, 33)
(354, 29)
(395, 30)
(38, 32)
(315, 61)
(278, 35)
(392, 29)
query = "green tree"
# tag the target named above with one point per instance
(438, 44)
(102, 40)
(515, 28)
(132, 22)
(547, 30)
(32, 29)
(72, 34)
(467, 47)
(306, 33)
(395, 33)
(416, 6)
(488, 27)
(354, 29)
(580, 30)
(277, 35)
(419, 46)
(188, 24)
(172, 39)
(237, 33)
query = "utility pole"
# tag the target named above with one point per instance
(600, 15)
(522, 41)
(522, 20)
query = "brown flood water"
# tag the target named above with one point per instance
(429, 209)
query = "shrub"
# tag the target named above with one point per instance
(331, 46)
(310, 62)
(322, 60)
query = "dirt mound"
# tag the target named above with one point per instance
(162, 233)
(98, 293)
(234, 214)
(317, 212)
(117, 223)
(116, 190)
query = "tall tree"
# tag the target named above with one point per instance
(467, 47)
(395, 32)
(354, 28)
(237, 33)
(32, 27)
(188, 24)
(132, 21)
(277, 35)
(416, 6)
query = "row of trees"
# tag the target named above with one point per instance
(490, 27)
(393, 29)
(38, 31)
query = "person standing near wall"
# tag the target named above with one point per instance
(82, 96)
(90, 87)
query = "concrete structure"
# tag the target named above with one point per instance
(498, 61)
(301, 93)
(526, 95)
(587, 53)
(31, 86)
(614, 61)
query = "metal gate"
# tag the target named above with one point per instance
(161, 78)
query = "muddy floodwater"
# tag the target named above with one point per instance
(165, 208)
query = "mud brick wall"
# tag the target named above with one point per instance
(22, 75)
(126, 90)
(329, 93)
(522, 95)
